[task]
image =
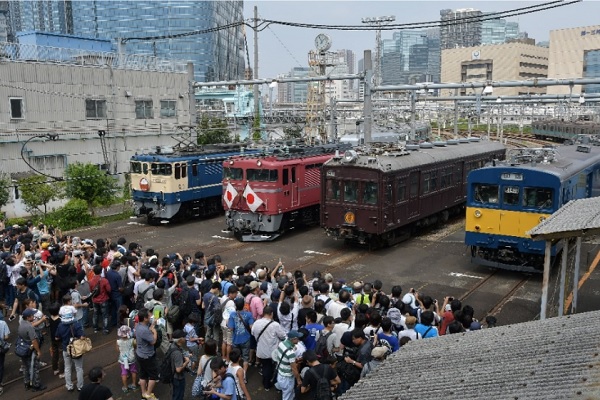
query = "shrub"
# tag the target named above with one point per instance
(74, 214)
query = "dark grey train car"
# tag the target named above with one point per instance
(381, 198)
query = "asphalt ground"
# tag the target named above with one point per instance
(436, 263)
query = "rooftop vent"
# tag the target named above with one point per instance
(474, 139)
(583, 148)
(439, 143)
(452, 142)
(463, 140)
(426, 145)
(412, 147)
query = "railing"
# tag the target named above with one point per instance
(33, 53)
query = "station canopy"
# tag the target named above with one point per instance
(577, 218)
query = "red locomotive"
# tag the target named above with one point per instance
(266, 195)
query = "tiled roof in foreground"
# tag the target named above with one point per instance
(557, 358)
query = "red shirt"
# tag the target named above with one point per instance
(104, 293)
(448, 319)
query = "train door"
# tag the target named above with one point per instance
(460, 183)
(294, 186)
(413, 206)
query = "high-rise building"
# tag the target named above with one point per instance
(411, 57)
(464, 28)
(498, 31)
(217, 55)
(460, 28)
(294, 92)
(38, 15)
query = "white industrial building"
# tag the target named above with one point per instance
(103, 108)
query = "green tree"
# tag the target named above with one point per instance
(90, 184)
(212, 130)
(4, 190)
(36, 193)
(256, 134)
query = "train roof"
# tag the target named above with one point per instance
(167, 154)
(391, 159)
(289, 153)
(561, 161)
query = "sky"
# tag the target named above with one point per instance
(282, 48)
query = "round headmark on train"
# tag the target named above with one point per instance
(144, 184)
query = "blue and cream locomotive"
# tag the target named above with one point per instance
(506, 200)
(179, 184)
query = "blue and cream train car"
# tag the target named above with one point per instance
(168, 185)
(506, 200)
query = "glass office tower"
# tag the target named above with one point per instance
(37, 15)
(216, 56)
(591, 69)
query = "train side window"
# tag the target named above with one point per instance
(511, 195)
(486, 194)
(145, 168)
(401, 190)
(184, 170)
(195, 169)
(389, 192)
(370, 193)
(414, 185)
(177, 171)
(135, 167)
(538, 197)
(285, 176)
(333, 190)
(427, 183)
(293, 174)
(350, 191)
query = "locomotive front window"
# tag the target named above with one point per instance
(145, 168)
(135, 167)
(334, 191)
(236, 174)
(486, 194)
(161, 169)
(370, 193)
(511, 195)
(351, 191)
(538, 197)
(261, 175)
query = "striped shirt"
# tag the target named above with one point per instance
(285, 353)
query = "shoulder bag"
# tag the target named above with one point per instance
(23, 348)
(77, 347)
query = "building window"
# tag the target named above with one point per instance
(168, 108)
(16, 108)
(143, 109)
(95, 109)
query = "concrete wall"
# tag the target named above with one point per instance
(567, 47)
(510, 62)
(54, 103)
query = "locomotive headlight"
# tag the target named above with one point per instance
(259, 163)
(542, 219)
(477, 213)
(230, 162)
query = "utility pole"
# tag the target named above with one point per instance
(378, 21)
(255, 88)
(368, 105)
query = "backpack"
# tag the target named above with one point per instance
(321, 348)
(323, 387)
(3, 272)
(214, 313)
(29, 292)
(247, 304)
(166, 371)
(184, 302)
(139, 302)
(173, 314)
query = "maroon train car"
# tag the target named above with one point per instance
(381, 197)
(266, 195)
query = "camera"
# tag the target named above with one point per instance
(450, 298)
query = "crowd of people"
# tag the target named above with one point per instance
(175, 315)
